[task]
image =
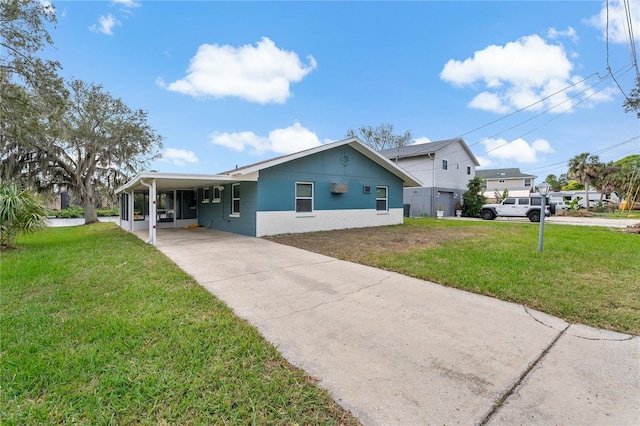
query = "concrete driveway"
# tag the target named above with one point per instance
(396, 350)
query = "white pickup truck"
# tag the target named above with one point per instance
(515, 207)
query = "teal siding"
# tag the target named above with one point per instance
(216, 215)
(276, 185)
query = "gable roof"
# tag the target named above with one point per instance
(428, 148)
(250, 172)
(355, 143)
(511, 173)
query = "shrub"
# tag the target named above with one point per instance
(78, 212)
(473, 199)
(70, 213)
(21, 211)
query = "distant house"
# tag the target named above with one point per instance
(344, 184)
(444, 168)
(519, 184)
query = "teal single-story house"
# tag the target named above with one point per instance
(344, 184)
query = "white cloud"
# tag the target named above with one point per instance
(484, 161)
(105, 25)
(519, 75)
(281, 141)
(179, 157)
(126, 3)
(618, 24)
(420, 140)
(260, 73)
(517, 150)
(569, 32)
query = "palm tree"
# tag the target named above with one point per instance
(608, 180)
(584, 168)
(20, 212)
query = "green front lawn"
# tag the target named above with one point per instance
(98, 328)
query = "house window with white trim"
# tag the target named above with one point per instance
(382, 198)
(205, 195)
(527, 182)
(468, 170)
(235, 199)
(304, 197)
(217, 193)
(445, 165)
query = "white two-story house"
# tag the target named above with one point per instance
(444, 167)
(517, 183)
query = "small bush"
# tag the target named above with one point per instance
(70, 213)
(114, 211)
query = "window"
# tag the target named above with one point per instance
(205, 195)
(381, 198)
(304, 197)
(140, 205)
(509, 201)
(523, 201)
(217, 194)
(468, 170)
(445, 165)
(527, 182)
(235, 199)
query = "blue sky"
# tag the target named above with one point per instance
(232, 83)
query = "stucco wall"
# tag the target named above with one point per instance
(288, 222)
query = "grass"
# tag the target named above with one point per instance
(98, 328)
(587, 275)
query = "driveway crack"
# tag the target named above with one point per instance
(510, 392)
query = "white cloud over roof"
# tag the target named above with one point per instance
(179, 157)
(262, 73)
(517, 150)
(281, 141)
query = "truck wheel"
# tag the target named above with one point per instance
(534, 216)
(488, 215)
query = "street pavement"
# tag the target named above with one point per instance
(396, 350)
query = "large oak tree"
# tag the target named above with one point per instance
(98, 140)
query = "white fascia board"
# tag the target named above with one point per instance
(381, 160)
(179, 180)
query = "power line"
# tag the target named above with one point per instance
(549, 109)
(633, 59)
(533, 104)
(632, 42)
(608, 148)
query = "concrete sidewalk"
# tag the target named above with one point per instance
(396, 350)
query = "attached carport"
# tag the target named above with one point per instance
(171, 200)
